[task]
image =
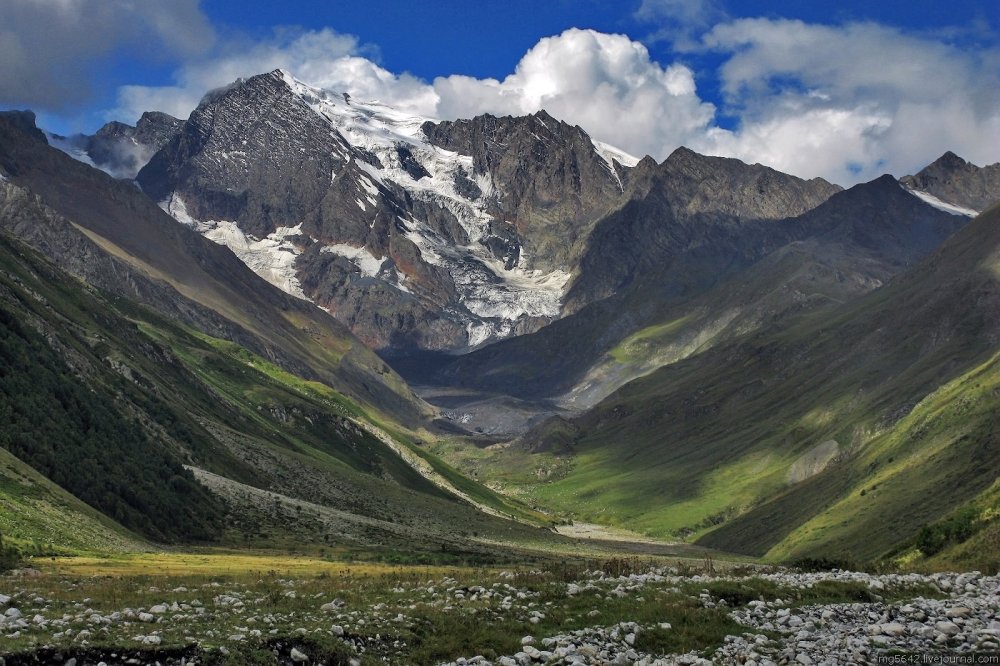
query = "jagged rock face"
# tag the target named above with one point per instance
(23, 121)
(232, 161)
(705, 214)
(954, 181)
(432, 235)
(122, 150)
(698, 184)
(447, 235)
(405, 240)
(549, 184)
(255, 160)
(670, 254)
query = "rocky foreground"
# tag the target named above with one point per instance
(964, 621)
(655, 616)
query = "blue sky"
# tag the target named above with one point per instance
(842, 90)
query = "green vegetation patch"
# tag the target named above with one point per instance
(84, 443)
(640, 342)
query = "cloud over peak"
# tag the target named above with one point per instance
(584, 77)
(608, 84)
(846, 102)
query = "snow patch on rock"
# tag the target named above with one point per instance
(366, 262)
(272, 257)
(72, 146)
(932, 200)
(608, 153)
(389, 149)
(496, 298)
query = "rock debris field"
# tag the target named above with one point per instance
(659, 616)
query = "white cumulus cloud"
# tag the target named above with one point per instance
(846, 102)
(584, 77)
(322, 58)
(851, 102)
(607, 84)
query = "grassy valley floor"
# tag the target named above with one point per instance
(265, 608)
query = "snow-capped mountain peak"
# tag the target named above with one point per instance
(366, 209)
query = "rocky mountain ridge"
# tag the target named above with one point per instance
(956, 182)
(122, 149)
(426, 235)
(112, 236)
(449, 236)
(351, 205)
(698, 278)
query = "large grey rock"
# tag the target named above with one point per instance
(947, 628)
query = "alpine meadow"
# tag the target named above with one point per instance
(645, 333)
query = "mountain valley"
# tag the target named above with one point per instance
(304, 325)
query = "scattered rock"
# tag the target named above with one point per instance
(947, 628)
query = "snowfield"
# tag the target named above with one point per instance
(272, 258)
(929, 198)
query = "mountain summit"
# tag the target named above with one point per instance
(956, 182)
(415, 234)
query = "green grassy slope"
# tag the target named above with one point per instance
(725, 447)
(794, 279)
(59, 420)
(966, 539)
(79, 364)
(933, 461)
(36, 515)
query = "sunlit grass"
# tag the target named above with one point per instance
(222, 564)
(642, 341)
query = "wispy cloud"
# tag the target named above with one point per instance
(50, 49)
(680, 22)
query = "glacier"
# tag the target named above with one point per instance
(494, 299)
(272, 257)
